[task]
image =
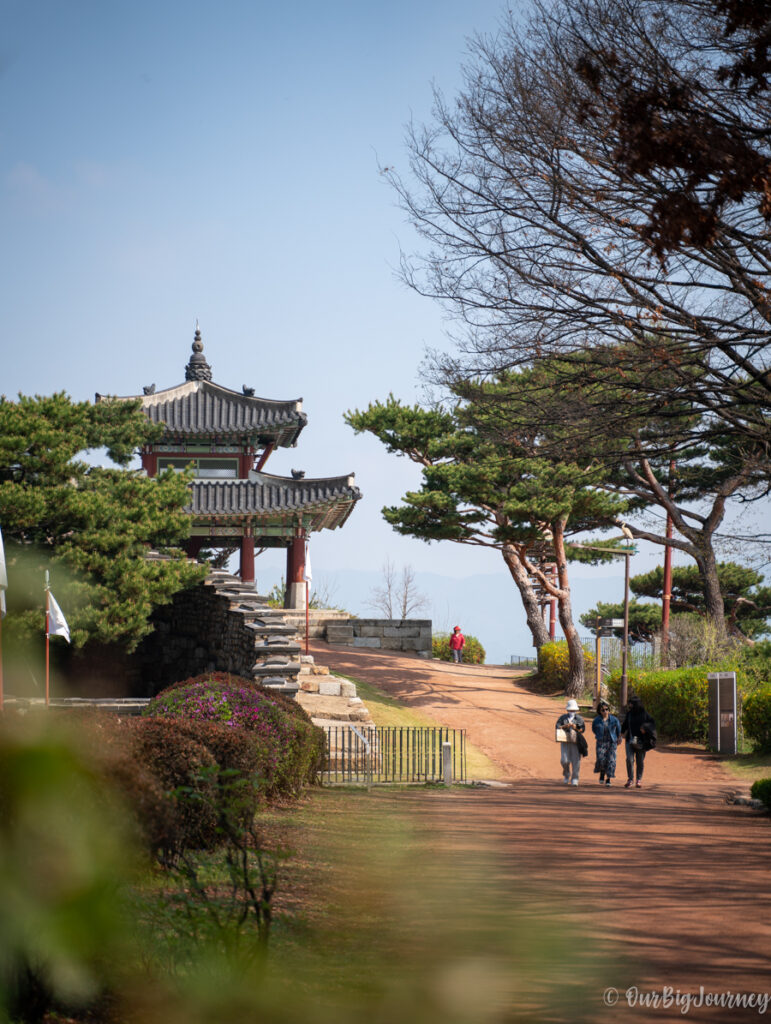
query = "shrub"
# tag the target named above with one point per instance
(756, 718)
(761, 790)
(554, 663)
(186, 772)
(677, 699)
(473, 652)
(290, 748)
(755, 665)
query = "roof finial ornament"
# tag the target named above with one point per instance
(197, 368)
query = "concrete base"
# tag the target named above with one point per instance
(295, 595)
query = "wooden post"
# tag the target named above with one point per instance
(667, 589)
(625, 649)
(447, 764)
(598, 660)
(48, 643)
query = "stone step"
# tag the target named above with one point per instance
(270, 629)
(277, 668)
(286, 686)
(275, 650)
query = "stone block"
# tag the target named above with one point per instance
(320, 670)
(329, 687)
(369, 631)
(309, 685)
(392, 643)
(347, 689)
(416, 644)
(401, 631)
(339, 633)
(367, 641)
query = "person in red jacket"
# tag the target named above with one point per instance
(457, 643)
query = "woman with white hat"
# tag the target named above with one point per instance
(571, 724)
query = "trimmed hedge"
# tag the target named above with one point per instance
(473, 652)
(676, 698)
(756, 718)
(761, 790)
(290, 748)
(554, 663)
(187, 773)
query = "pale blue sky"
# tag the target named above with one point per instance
(162, 161)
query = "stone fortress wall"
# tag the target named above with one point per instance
(223, 625)
(410, 636)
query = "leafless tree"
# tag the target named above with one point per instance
(397, 597)
(540, 237)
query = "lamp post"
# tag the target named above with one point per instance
(625, 648)
(627, 553)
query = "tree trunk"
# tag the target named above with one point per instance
(713, 598)
(535, 623)
(576, 679)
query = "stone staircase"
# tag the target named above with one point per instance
(278, 662)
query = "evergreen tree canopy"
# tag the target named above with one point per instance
(90, 526)
(644, 619)
(747, 603)
(486, 481)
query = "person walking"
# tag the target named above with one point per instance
(457, 643)
(607, 733)
(573, 726)
(639, 731)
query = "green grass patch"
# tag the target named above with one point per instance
(749, 767)
(386, 710)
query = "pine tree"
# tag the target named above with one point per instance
(91, 526)
(485, 483)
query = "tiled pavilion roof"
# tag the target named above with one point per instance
(199, 409)
(328, 501)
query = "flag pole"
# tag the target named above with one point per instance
(48, 641)
(307, 614)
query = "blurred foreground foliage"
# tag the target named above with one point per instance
(374, 919)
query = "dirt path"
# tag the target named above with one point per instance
(671, 875)
(513, 727)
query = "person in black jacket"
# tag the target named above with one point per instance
(639, 731)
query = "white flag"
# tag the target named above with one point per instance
(3, 577)
(57, 624)
(308, 575)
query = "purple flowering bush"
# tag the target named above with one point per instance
(288, 746)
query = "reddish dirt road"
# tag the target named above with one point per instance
(672, 875)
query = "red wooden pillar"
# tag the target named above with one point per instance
(295, 572)
(193, 546)
(247, 558)
(150, 463)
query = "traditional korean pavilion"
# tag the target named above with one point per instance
(228, 436)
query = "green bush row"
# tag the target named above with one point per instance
(473, 652)
(678, 701)
(676, 698)
(756, 718)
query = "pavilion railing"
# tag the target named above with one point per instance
(372, 755)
